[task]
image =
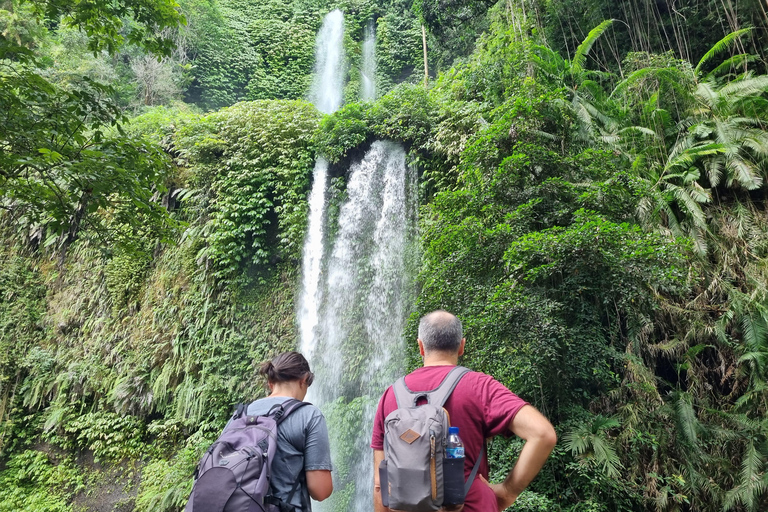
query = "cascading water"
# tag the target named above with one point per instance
(312, 259)
(368, 71)
(326, 96)
(329, 61)
(367, 296)
(356, 284)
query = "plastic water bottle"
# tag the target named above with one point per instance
(453, 470)
(454, 448)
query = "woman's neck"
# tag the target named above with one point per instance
(291, 389)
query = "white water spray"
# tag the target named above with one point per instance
(326, 96)
(368, 71)
(312, 259)
(357, 290)
(326, 91)
(367, 297)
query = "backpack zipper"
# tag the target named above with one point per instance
(246, 459)
(432, 465)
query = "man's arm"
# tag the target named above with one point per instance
(540, 438)
(319, 484)
(378, 456)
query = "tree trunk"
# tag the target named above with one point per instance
(424, 43)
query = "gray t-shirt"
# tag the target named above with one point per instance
(302, 445)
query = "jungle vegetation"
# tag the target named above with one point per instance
(593, 207)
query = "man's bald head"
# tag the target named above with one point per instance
(440, 331)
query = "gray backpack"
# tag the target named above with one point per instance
(415, 475)
(234, 474)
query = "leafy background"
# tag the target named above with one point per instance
(592, 207)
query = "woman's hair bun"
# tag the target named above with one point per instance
(285, 367)
(268, 370)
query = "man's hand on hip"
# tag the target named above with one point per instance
(504, 498)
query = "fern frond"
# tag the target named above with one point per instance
(754, 331)
(687, 422)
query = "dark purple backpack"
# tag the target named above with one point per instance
(234, 474)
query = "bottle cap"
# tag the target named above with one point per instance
(453, 430)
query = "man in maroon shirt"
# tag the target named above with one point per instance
(481, 407)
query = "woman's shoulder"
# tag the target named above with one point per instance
(264, 406)
(310, 411)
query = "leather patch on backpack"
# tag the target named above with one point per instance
(409, 436)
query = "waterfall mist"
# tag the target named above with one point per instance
(312, 257)
(326, 96)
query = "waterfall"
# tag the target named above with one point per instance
(357, 289)
(312, 259)
(326, 90)
(368, 72)
(367, 295)
(367, 276)
(326, 96)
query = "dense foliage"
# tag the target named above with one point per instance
(592, 207)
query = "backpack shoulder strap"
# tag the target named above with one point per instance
(403, 396)
(438, 396)
(239, 410)
(473, 474)
(281, 411)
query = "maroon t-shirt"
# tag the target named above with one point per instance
(480, 406)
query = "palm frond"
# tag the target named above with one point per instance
(752, 483)
(545, 135)
(579, 58)
(699, 237)
(638, 129)
(732, 63)
(606, 457)
(689, 203)
(667, 76)
(588, 440)
(738, 89)
(757, 142)
(714, 169)
(721, 46)
(682, 157)
(743, 173)
(547, 61)
(595, 89)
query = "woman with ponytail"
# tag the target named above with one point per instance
(302, 464)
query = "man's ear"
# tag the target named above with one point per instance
(461, 346)
(421, 347)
